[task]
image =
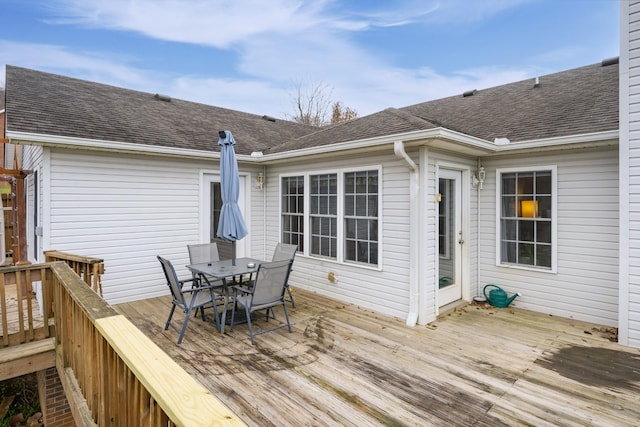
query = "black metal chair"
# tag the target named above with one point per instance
(187, 298)
(266, 292)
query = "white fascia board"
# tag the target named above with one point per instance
(28, 138)
(597, 138)
(409, 138)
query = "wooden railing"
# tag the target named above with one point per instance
(89, 269)
(22, 321)
(113, 375)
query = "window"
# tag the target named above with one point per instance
(293, 211)
(361, 216)
(335, 213)
(445, 225)
(527, 218)
(323, 193)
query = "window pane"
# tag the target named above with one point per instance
(526, 253)
(525, 231)
(372, 187)
(525, 183)
(350, 249)
(361, 205)
(373, 253)
(361, 182)
(509, 252)
(372, 205)
(349, 205)
(509, 208)
(350, 228)
(543, 183)
(373, 230)
(510, 229)
(543, 256)
(543, 232)
(508, 183)
(544, 206)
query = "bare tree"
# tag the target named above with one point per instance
(313, 106)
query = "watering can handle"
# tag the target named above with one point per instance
(484, 290)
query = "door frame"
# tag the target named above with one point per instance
(465, 227)
(206, 178)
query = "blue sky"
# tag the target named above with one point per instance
(250, 55)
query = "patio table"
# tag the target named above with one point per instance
(225, 270)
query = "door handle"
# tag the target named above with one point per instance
(460, 239)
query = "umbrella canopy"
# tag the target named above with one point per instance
(231, 226)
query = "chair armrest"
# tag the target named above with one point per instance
(194, 280)
(242, 289)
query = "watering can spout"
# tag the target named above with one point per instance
(498, 297)
(509, 300)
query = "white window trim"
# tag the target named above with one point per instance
(554, 216)
(340, 258)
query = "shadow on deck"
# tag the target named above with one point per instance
(344, 365)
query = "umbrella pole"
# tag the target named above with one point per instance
(233, 252)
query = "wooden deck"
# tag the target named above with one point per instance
(343, 365)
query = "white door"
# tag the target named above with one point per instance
(450, 236)
(211, 205)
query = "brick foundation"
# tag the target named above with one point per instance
(53, 402)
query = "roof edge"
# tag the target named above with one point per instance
(408, 137)
(412, 138)
(45, 140)
(560, 141)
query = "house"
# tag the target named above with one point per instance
(629, 291)
(403, 212)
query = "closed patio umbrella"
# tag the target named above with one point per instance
(231, 226)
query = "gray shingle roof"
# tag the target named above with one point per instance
(51, 104)
(573, 102)
(578, 101)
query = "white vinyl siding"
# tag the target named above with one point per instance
(629, 327)
(126, 210)
(585, 285)
(384, 289)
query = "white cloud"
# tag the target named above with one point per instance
(95, 66)
(356, 80)
(276, 42)
(218, 23)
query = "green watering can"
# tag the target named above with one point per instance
(498, 297)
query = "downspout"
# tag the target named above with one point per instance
(398, 149)
(478, 217)
(264, 214)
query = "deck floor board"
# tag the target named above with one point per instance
(344, 365)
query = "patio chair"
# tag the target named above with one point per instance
(266, 293)
(203, 252)
(200, 253)
(207, 252)
(285, 251)
(187, 298)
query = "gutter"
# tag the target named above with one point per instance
(420, 137)
(27, 138)
(380, 142)
(398, 149)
